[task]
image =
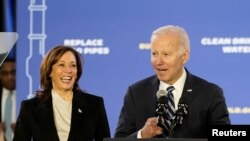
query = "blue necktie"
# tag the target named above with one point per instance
(170, 108)
(8, 109)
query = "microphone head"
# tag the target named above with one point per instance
(161, 93)
(162, 96)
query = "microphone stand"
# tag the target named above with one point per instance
(180, 113)
(161, 113)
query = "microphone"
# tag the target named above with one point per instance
(180, 113)
(182, 110)
(161, 112)
(161, 109)
(161, 93)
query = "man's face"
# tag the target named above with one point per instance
(167, 58)
(8, 75)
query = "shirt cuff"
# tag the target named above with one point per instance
(139, 134)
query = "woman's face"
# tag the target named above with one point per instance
(64, 72)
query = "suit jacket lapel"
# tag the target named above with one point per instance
(77, 117)
(155, 87)
(188, 93)
(45, 110)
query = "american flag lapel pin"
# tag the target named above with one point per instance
(79, 111)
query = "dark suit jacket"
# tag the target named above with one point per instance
(89, 121)
(205, 100)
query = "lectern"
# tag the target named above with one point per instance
(155, 139)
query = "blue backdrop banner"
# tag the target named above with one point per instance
(113, 36)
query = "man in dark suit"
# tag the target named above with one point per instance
(203, 103)
(8, 89)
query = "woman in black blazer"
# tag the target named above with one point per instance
(61, 111)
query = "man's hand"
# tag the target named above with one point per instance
(150, 129)
(2, 128)
(13, 125)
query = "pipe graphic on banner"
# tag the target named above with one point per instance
(36, 37)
